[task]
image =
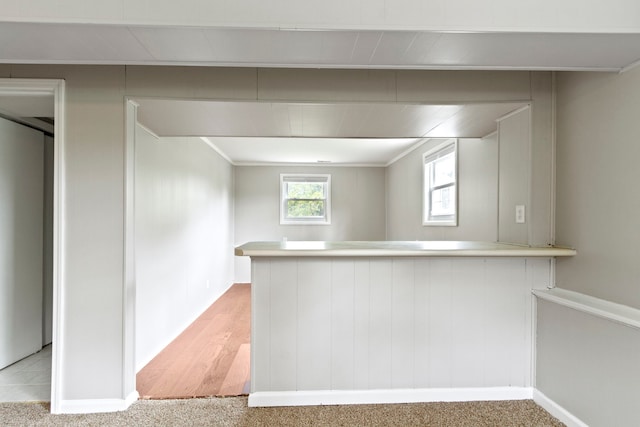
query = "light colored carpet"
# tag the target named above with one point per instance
(233, 411)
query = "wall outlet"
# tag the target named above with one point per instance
(207, 284)
(520, 218)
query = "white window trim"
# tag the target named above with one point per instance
(326, 178)
(425, 191)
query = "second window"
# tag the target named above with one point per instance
(440, 185)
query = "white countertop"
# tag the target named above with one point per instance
(396, 248)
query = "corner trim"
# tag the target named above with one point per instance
(129, 259)
(91, 406)
(360, 397)
(556, 410)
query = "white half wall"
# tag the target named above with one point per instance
(357, 205)
(588, 365)
(184, 236)
(383, 323)
(21, 247)
(477, 194)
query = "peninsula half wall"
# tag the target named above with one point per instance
(391, 322)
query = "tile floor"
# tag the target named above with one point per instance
(28, 379)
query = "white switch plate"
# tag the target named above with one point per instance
(520, 218)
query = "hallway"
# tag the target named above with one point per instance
(210, 358)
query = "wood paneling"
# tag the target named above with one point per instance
(342, 324)
(514, 176)
(393, 323)
(210, 358)
(314, 309)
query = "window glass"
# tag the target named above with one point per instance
(444, 170)
(305, 199)
(440, 189)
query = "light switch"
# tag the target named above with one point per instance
(520, 218)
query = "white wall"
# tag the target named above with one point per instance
(21, 247)
(357, 207)
(95, 348)
(587, 364)
(514, 135)
(598, 210)
(540, 212)
(477, 197)
(92, 257)
(523, 162)
(184, 236)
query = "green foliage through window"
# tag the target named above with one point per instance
(305, 198)
(305, 208)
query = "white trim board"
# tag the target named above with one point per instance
(129, 271)
(91, 406)
(361, 397)
(608, 310)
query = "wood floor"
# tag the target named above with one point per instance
(210, 358)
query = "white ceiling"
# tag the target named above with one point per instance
(24, 42)
(336, 151)
(341, 133)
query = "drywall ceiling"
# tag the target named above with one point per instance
(340, 133)
(27, 42)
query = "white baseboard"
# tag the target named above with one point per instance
(357, 397)
(90, 406)
(556, 410)
(354, 397)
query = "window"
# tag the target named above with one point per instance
(305, 199)
(440, 185)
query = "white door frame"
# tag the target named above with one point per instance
(129, 293)
(56, 88)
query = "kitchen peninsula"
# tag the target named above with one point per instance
(391, 322)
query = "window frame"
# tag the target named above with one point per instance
(305, 177)
(428, 160)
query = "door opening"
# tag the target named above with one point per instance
(32, 121)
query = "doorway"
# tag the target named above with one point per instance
(182, 235)
(35, 109)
